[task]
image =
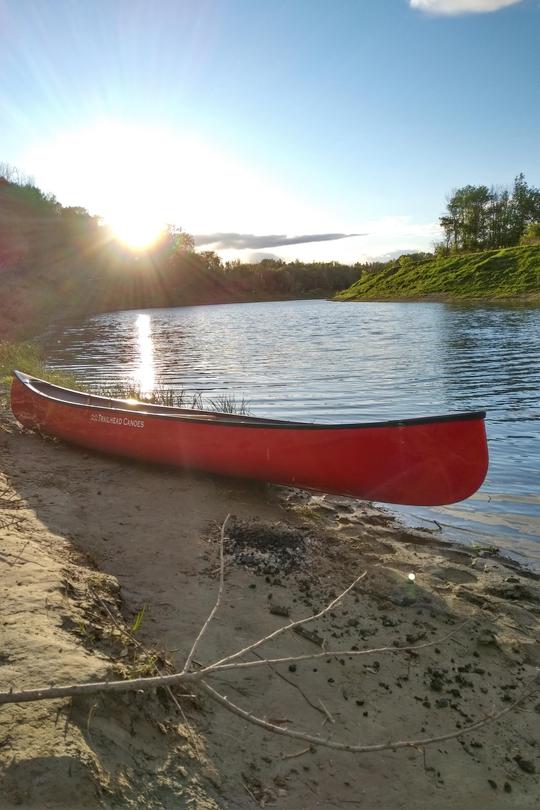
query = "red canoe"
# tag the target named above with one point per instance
(425, 462)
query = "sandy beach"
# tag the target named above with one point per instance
(87, 542)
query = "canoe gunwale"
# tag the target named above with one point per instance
(147, 410)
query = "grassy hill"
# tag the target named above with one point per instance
(505, 273)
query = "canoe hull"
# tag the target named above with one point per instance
(416, 462)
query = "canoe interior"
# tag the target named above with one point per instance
(80, 398)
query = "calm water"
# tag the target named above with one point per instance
(330, 362)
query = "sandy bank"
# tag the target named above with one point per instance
(79, 531)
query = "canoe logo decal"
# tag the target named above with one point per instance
(125, 421)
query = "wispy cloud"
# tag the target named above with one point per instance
(243, 241)
(461, 6)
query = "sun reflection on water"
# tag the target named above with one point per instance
(145, 373)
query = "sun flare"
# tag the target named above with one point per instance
(139, 177)
(137, 231)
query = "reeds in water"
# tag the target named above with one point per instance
(163, 395)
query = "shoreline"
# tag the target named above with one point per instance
(442, 298)
(81, 530)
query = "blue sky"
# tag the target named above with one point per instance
(272, 117)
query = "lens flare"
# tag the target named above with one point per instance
(136, 231)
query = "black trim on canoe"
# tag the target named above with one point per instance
(79, 399)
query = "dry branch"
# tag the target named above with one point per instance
(360, 749)
(332, 653)
(214, 610)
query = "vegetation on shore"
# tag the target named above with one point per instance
(505, 273)
(490, 249)
(164, 395)
(27, 357)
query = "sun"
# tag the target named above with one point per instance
(136, 230)
(125, 177)
(138, 177)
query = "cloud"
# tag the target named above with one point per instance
(461, 6)
(376, 237)
(243, 241)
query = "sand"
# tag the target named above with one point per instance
(87, 542)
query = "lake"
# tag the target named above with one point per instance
(343, 362)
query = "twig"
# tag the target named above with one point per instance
(89, 718)
(291, 683)
(359, 749)
(289, 626)
(19, 557)
(327, 713)
(12, 522)
(122, 630)
(310, 635)
(214, 610)
(297, 753)
(248, 791)
(333, 653)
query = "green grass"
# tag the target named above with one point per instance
(506, 273)
(23, 356)
(27, 357)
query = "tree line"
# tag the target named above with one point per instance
(480, 218)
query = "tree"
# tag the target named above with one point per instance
(525, 207)
(211, 260)
(478, 217)
(179, 239)
(14, 175)
(531, 235)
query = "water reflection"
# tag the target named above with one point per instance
(329, 362)
(145, 376)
